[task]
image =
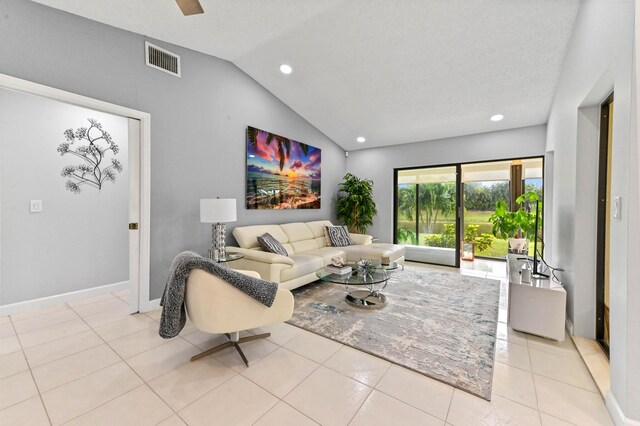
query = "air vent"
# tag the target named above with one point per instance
(162, 60)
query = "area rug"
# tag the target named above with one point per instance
(437, 323)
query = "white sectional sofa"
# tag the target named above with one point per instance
(307, 248)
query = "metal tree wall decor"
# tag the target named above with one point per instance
(93, 144)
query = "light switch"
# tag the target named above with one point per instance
(616, 208)
(35, 206)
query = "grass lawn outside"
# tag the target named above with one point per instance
(498, 249)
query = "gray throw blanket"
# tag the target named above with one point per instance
(174, 316)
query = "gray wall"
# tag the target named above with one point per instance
(198, 122)
(87, 231)
(377, 164)
(599, 61)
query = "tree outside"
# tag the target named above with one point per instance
(435, 208)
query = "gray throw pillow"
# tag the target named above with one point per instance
(270, 244)
(339, 236)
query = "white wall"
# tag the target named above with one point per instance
(377, 164)
(598, 61)
(80, 240)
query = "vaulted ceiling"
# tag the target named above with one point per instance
(393, 71)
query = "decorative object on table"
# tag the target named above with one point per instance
(517, 227)
(281, 173)
(340, 270)
(339, 266)
(94, 143)
(365, 267)
(338, 261)
(338, 236)
(356, 207)
(270, 244)
(218, 211)
(449, 334)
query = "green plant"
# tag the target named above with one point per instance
(356, 207)
(433, 240)
(435, 200)
(484, 242)
(404, 234)
(471, 233)
(447, 239)
(522, 222)
(449, 235)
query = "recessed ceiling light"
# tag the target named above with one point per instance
(285, 69)
(360, 139)
(497, 117)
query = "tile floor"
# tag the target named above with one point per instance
(90, 363)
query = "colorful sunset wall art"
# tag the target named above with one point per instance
(281, 173)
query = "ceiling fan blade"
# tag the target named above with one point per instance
(190, 7)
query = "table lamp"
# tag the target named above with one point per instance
(218, 211)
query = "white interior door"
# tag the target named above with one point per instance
(134, 215)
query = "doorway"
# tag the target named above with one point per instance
(604, 220)
(136, 123)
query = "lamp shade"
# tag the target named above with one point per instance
(218, 210)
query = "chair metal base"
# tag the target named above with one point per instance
(234, 343)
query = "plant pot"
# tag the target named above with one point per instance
(518, 245)
(467, 251)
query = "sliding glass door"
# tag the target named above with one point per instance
(437, 207)
(484, 185)
(426, 214)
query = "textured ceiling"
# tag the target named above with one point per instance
(392, 71)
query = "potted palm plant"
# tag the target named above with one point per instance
(517, 227)
(356, 207)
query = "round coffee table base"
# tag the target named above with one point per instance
(365, 299)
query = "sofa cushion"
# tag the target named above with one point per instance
(247, 236)
(297, 231)
(304, 264)
(322, 241)
(326, 253)
(317, 227)
(272, 245)
(303, 246)
(374, 252)
(339, 236)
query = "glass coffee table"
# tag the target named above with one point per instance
(373, 283)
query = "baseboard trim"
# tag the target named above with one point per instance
(151, 305)
(569, 326)
(619, 418)
(44, 302)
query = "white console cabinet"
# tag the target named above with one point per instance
(538, 307)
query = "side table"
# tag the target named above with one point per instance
(230, 257)
(538, 307)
